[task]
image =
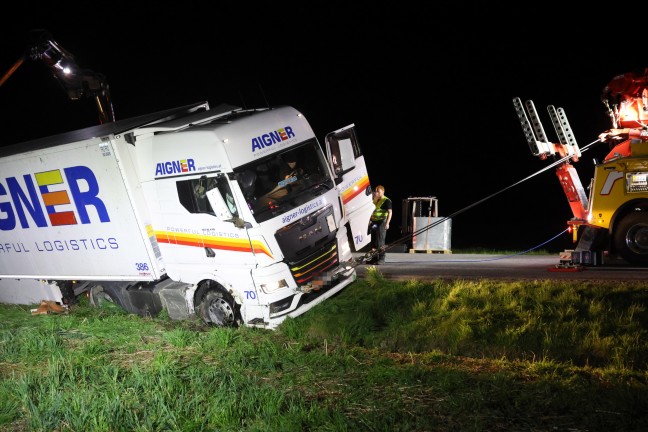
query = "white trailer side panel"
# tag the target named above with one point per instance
(28, 291)
(68, 212)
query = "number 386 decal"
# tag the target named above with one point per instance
(141, 266)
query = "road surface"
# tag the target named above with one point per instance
(426, 266)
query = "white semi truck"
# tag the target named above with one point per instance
(184, 210)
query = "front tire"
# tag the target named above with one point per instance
(631, 238)
(218, 308)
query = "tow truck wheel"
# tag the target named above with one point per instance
(218, 308)
(631, 238)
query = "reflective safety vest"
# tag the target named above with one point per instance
(379, 213)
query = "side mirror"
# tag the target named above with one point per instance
(240, 223)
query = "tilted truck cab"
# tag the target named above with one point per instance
(185, 211)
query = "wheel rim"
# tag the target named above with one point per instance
(101, 299)
(220, 312)
(637, 239)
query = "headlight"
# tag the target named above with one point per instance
(271, 287)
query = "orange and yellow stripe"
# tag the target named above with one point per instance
(355, 189)
(219, 243)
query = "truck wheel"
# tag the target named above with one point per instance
(218, 308)
(101, 298)
(631, 238)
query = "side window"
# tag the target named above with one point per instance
(342, 150)
(349, 152)
(336, 157)
(226, 193)
(192, 194)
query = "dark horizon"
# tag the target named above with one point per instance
(429, 88)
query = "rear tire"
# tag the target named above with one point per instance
(631, 238)
(103, 298)
(218, 308)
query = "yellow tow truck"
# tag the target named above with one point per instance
(611, 219)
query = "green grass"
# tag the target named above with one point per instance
(380, 356)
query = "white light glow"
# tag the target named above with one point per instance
(271, 287)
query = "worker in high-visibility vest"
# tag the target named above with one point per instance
(379, 223)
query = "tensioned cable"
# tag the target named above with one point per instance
(503, 256)
(553, 164)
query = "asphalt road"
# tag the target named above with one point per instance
(426, 266)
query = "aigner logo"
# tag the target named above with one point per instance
(266, 140)
(58, 205)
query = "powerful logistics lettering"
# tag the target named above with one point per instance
(58, 190)
(82, 244)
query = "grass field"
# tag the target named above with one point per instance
(380, 356)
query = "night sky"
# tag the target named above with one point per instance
(429, 89)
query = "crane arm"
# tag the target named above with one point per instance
(76, 82)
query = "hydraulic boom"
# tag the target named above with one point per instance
(76, 82)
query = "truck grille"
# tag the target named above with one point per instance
(309, 245)
(304, 270)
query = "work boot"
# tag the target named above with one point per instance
(372, 257)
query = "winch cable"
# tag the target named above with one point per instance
(372, 254)
(505, 256)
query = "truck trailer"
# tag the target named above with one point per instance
(185, 210)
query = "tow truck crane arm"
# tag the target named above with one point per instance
(76, 82)
(567, 149)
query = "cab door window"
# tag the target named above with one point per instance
(192, 194)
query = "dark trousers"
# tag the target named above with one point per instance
(378, 234)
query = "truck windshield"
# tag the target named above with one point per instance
(284, 180)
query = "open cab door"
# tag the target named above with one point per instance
(352, 181)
